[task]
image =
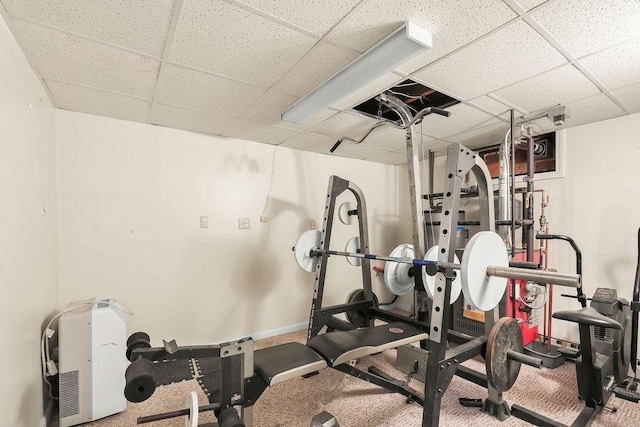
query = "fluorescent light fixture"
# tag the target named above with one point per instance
(395, 49)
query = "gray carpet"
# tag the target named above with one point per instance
(358, 403)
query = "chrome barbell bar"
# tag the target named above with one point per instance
(432, 267)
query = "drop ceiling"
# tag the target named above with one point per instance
(229, 67)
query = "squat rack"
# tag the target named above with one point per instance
(442, 363)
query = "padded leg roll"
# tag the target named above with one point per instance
(140, 381)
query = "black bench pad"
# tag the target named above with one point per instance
(283, 362)
(587, 316)
(342, 346)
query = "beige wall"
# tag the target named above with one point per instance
(596, 204)
(131, 196)
(28, 231)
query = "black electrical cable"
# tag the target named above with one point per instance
(391, 302)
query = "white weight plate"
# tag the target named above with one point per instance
(308, 240)
(192, 404)
(430, 282)
(481, 291)
(353, 246)
(396, 274)
(343, 213)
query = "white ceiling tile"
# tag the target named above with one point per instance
(463, 117)
(422, 142)
(207, 92)
(591, 109)
(490, 104)
(267, 108)
(317, 17)
(507, 56)
(310, 142)
(389, 158)
(369, 91)
(139, 25)
(529, 4)
(586, 26)
(222, 38)
(435, 145)
(357, 151)
(387, 138)
(453, 24)
(193, 120)
(629, 96)
(322, 62)
(422, 138)
(490, 134)
(62, 56)
(558, 86)
(259, 132)
(343, 124)
(618, 66)
(98, 102)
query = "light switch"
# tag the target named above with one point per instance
(204, 222)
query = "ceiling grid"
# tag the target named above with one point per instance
(229, 67)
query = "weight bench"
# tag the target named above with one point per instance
(273, 365)
(283, 362)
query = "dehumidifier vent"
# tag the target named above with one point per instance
(69, 394)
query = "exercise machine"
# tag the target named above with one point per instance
(608, 348)
(483, 274)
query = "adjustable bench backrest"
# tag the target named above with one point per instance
(286, 361)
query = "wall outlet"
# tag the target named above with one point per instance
(312, 225)
(204, 222)
(264, 218)
(243, 223)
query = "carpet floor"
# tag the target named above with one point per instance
(357, 403)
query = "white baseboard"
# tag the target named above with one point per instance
(272, 332)
(46, 416)
(280, 331)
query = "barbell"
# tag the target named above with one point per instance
(484, 269)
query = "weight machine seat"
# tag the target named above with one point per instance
(342, 346)
(283, 362)
(587, 316)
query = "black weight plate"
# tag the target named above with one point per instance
(140, 381)
(504, 336)
(359, 318)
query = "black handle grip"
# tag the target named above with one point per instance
(440, 111)
(335, 146)
(581, 297)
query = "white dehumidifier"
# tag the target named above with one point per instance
(92, 362)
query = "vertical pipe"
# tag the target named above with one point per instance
(530, 173)
(513, 209)
(513, 185)
(432, 164)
